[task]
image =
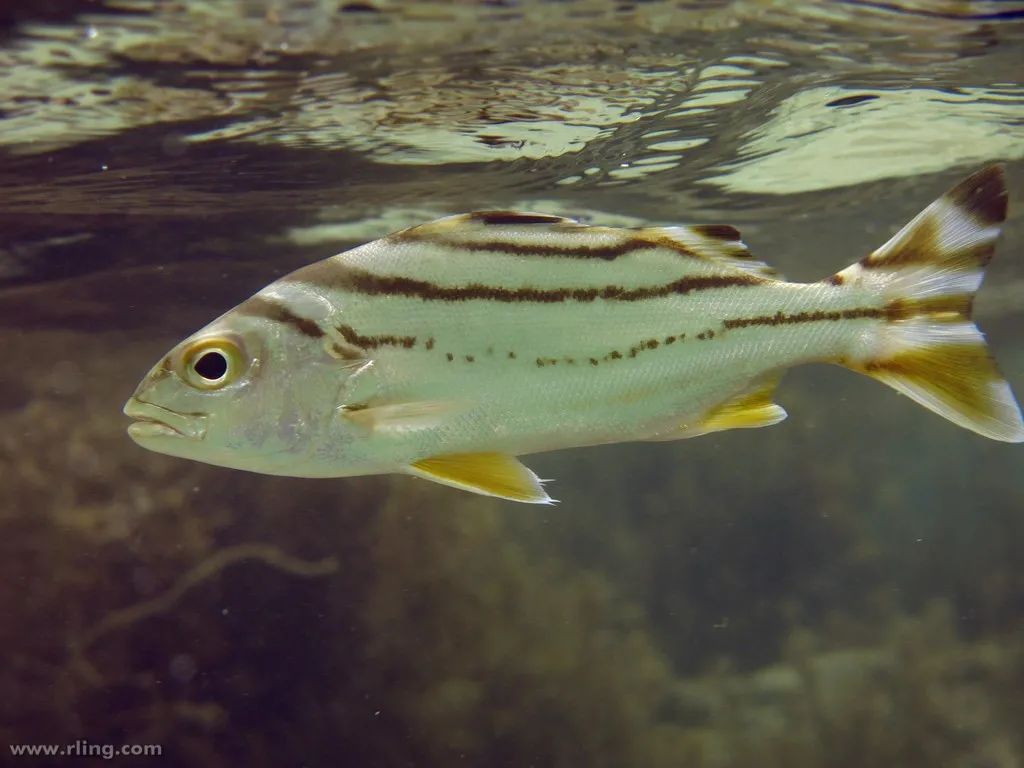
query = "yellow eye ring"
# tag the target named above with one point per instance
(213, 363)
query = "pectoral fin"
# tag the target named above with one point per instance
(489, 474)
(401, 417)
(753, 408)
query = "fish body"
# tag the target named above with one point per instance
(447, 349)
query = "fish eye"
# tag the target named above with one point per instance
(213, 363)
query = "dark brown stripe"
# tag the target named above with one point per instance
(951, 308)
(921, 245)
(514, 217)
(634, 350)
(334, 275)
(346, 353)
(512, 248)
(781, 318)
(260, 306)
(373, 342)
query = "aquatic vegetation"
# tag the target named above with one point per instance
(921, 698)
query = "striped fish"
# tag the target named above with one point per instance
(448, 349)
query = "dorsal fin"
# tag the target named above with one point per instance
(717, 242)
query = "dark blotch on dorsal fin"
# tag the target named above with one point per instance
(514, 217)
(849, 101)
(717, 231)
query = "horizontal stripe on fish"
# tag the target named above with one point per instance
(532, 235)
(708, 334)
(523, 235)
(337, 275)
(942, 307)
(445, 257)
(373, 342)
(263, 306)
(781, 318)
(513, 245)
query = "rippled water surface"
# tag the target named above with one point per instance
(843, 589)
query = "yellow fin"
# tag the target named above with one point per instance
(752, 408)
(929, 349)
(956, 378)
(489, 474)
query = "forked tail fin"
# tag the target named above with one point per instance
(928, 273)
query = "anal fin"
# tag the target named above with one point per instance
(489, 474)
(752, 408)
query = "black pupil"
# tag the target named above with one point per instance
(211, 365)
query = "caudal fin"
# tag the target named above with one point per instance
(928, 273)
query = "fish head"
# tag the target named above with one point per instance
(245, 392)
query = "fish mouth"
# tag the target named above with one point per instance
(154, 421)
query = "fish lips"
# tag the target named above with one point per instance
(153, 421)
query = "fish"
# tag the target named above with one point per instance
(449, 349)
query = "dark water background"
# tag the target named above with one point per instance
(844, 589)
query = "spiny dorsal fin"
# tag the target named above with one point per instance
(751, 408)
(716, 242)
(489, 474)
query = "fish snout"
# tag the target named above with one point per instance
(155, 421)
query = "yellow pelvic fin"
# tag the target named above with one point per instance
(489, 474)
(752, 408)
